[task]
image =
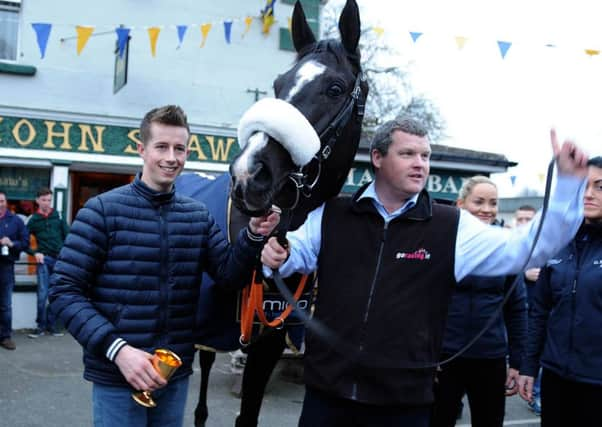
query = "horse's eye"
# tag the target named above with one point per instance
(334, 90)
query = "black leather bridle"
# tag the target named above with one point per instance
(300, 178)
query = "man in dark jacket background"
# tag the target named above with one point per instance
(13, 239)
(50, 231)
(127, 279)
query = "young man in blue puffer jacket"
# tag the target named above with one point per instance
(127, 279)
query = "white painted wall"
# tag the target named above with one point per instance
(210, 83)
(24, 310)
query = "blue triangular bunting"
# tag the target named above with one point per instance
(227, 30)
(42, 33)
(415, 36)
(504, 46)
(122, 39)
(181, 32)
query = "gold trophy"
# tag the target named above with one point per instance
(165, 363)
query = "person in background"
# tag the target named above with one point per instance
(388, 259)
(522, 216)
(565, 323)
(127, 279)
(50, 231)
(13, 239)
(481, 371)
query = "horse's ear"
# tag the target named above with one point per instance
(350, 26)
(302, 34)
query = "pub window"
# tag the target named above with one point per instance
(9, 29)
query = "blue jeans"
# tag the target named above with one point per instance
(114, 406)
(45, 318)
(7, 284)
(537, 385)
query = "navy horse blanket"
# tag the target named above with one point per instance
(218, 313)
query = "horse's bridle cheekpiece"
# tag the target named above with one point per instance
(332, 132)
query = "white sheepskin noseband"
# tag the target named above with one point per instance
(283, 122)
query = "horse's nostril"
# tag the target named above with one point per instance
(237, 191)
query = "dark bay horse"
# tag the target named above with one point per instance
(296, 152)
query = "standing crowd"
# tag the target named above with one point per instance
(49, 231)
(433, 302)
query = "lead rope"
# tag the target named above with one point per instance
(252, 295)
(343, 348)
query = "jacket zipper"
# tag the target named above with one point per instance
(573, 309)
(370, 296)
(163, 284)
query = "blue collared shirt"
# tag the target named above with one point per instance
(370, 193)
(480, 249)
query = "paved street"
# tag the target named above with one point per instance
(42, 385)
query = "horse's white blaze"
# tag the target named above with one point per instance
(240, 168)
(306, 73)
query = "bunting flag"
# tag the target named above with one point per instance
(83, 35)
(181, 32)
(153, 35)
(42, 30)
(513, 179)
(504, 46)
(248, 22)
(379, 31)
(267, 15)
(123, 35)
(415, 36)
(205, 28)
(227, 30)
(460, 42)
(289, 24)
(542, 177)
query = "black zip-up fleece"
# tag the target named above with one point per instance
(384, 290)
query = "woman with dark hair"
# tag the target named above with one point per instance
(565, 323)
(481, 372)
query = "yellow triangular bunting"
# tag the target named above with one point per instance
(153, 35)
(248, 22)
(378, 30)
(461, 41)
(205, 28)
(83, 35)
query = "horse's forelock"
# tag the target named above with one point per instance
(333, 46)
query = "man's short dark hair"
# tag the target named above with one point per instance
(526, 208)
(595, 161)
(382, 137)
(44, 191)
(171, 115)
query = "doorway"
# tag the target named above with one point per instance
(89, 184)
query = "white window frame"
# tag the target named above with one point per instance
(13, 6)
